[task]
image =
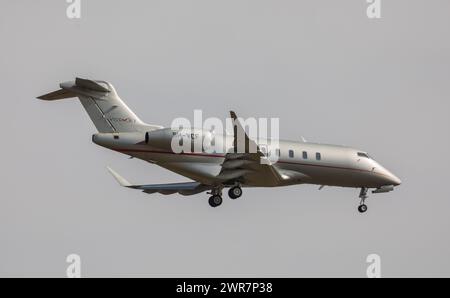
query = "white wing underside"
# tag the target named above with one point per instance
(185, 188)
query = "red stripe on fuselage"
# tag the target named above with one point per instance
(223, 156)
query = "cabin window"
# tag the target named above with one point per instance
(116, 137)
(318, 156)
(362, 154)
(277, 152)
(305, 155)
(291, 153)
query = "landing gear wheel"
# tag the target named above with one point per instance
(363, 196)
(215, 200)
(362, 208)
(235, 192)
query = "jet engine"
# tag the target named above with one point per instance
(186, 140)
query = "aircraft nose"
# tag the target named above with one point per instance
(394, 180)
(388, 177)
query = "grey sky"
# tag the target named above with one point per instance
(327, 71)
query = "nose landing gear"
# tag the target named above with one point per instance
(362, 208)
(363, 196)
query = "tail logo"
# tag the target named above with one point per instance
(119, 119)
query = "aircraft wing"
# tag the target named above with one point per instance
(186, 188)
(248, 164)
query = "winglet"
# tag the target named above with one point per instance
(242, 143)
(122, 181)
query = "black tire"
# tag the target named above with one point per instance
(235, 192)
(215, 201)
(362, 208)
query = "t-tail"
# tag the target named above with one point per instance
(105, 108)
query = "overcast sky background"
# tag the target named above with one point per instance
(327, 71)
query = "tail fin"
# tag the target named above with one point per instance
(105, 108)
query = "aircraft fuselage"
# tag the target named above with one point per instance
(306, 162)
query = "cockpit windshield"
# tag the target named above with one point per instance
(363, 154)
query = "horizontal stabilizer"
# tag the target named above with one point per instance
(90, 84)
(58, 94)
(67, 89)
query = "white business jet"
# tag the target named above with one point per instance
(119, 129)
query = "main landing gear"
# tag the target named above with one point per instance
(235, 192)
(363, 196)
(215, 199)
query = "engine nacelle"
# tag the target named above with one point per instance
(117, 140)
(168, 139)
(161, 138)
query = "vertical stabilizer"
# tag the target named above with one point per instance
(103, 105)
